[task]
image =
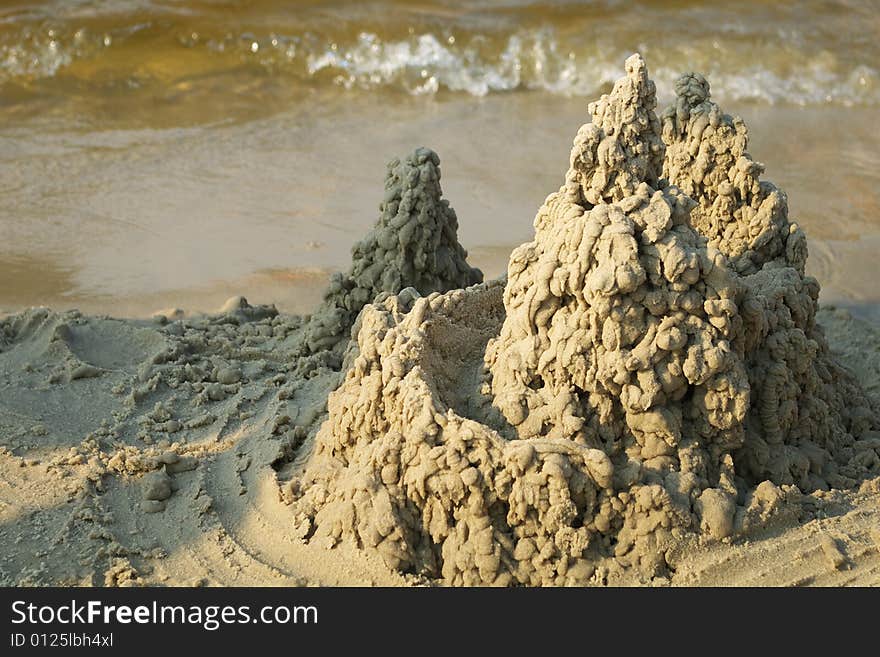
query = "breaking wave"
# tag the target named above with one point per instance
(566, 56)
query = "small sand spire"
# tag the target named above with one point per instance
(621, 147)
(414, 244)
(706, 157)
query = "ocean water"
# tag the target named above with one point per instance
(160, 153)
(800, 52)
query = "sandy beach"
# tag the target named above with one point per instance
(246, 340)
(73, 479)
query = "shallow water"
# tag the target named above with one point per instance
(167, 153)
(804, 52)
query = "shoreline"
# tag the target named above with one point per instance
(84, 235)
(843, 269)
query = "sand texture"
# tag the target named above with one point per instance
(650, 395)
(642, 379)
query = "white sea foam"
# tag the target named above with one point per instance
(477, 64)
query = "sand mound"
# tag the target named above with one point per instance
(414, 244)
(651, 371)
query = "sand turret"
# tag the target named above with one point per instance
(413, 244)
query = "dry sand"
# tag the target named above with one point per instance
(198, 450)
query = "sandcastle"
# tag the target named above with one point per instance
(649, 370)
